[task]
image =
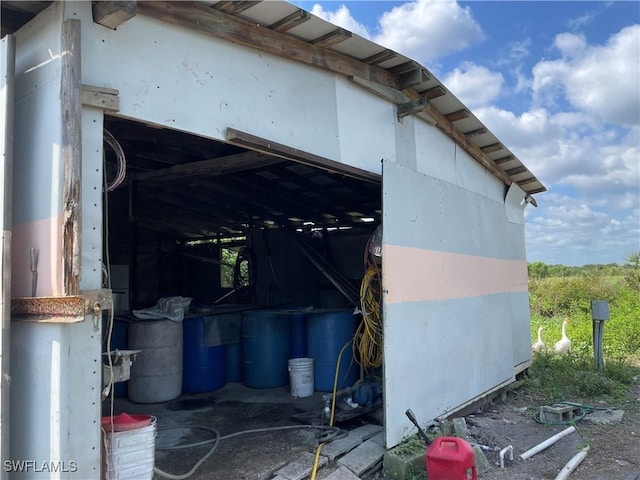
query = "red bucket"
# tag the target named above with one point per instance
(124, 422)
(450, 458)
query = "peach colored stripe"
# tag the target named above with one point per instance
(46, 236)
(414, 275)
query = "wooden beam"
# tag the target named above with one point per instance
(112, 14)
(291, 21)
(100, 97)
(380, 57)
(413, 78)
(526, 181)
(435, 92)
(233, 7)
(253, 142)
(412, 107)
(457, 115)
(494, 147)
(212, 22)
(501, 160)
(516, 170)
(475, 133)
(334, 37)
(214, 166)
(70, 87)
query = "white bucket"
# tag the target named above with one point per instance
(129, 454)
(301, 377)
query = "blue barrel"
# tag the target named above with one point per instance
(327, 332)
(266, 346)
(204, 368)
(234, 362)
(298, 321)
(118, 342)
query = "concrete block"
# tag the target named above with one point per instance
(403, 465)
(446, 428)
(460, 427)
(558, 413)
(341, 446)
(482, 464)
(362, 458)
(301, 467)
(343, 473)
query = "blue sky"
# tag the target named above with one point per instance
(557, 82)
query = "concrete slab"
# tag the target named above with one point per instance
(343, 473)
(378, 438)
(605, 417)
(341, 446)
(363, 458)
(403, 466)
(460, 427)
(301, 467)
(365, 432)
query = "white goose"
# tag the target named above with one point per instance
(539, 345)
(564, 344)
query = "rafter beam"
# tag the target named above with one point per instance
(458, 115)
(113, 14)
(494, 147)
(213, 166)
(233, 7)
(516, 170)
(334, 37)
(475, 133)
(291, 21)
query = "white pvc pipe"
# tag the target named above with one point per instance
(572, 464)
(548, 442)
(503, 453)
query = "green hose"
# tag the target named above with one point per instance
(584, 410)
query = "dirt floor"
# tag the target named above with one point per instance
(614, 449)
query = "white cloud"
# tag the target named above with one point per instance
(474, 85)
(428, 29)
(342, 17)
(423, 30)
(602, 80)
(566, 230)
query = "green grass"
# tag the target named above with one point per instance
(553, 378)
(574, 377)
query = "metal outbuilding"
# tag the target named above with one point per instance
(243, 120)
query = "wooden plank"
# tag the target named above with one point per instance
(112, 14)
(291, 21)
(501, 160)
(71, 155)
(412, 107)
(212, 22)
(458, 115)
(477, 132)
(253, 142)
(494, 147)
(516, 170)
(105, 98)
(435, 92)
(334, 37)
(380, 57)
(234, 6)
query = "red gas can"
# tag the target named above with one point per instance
(450, 458)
